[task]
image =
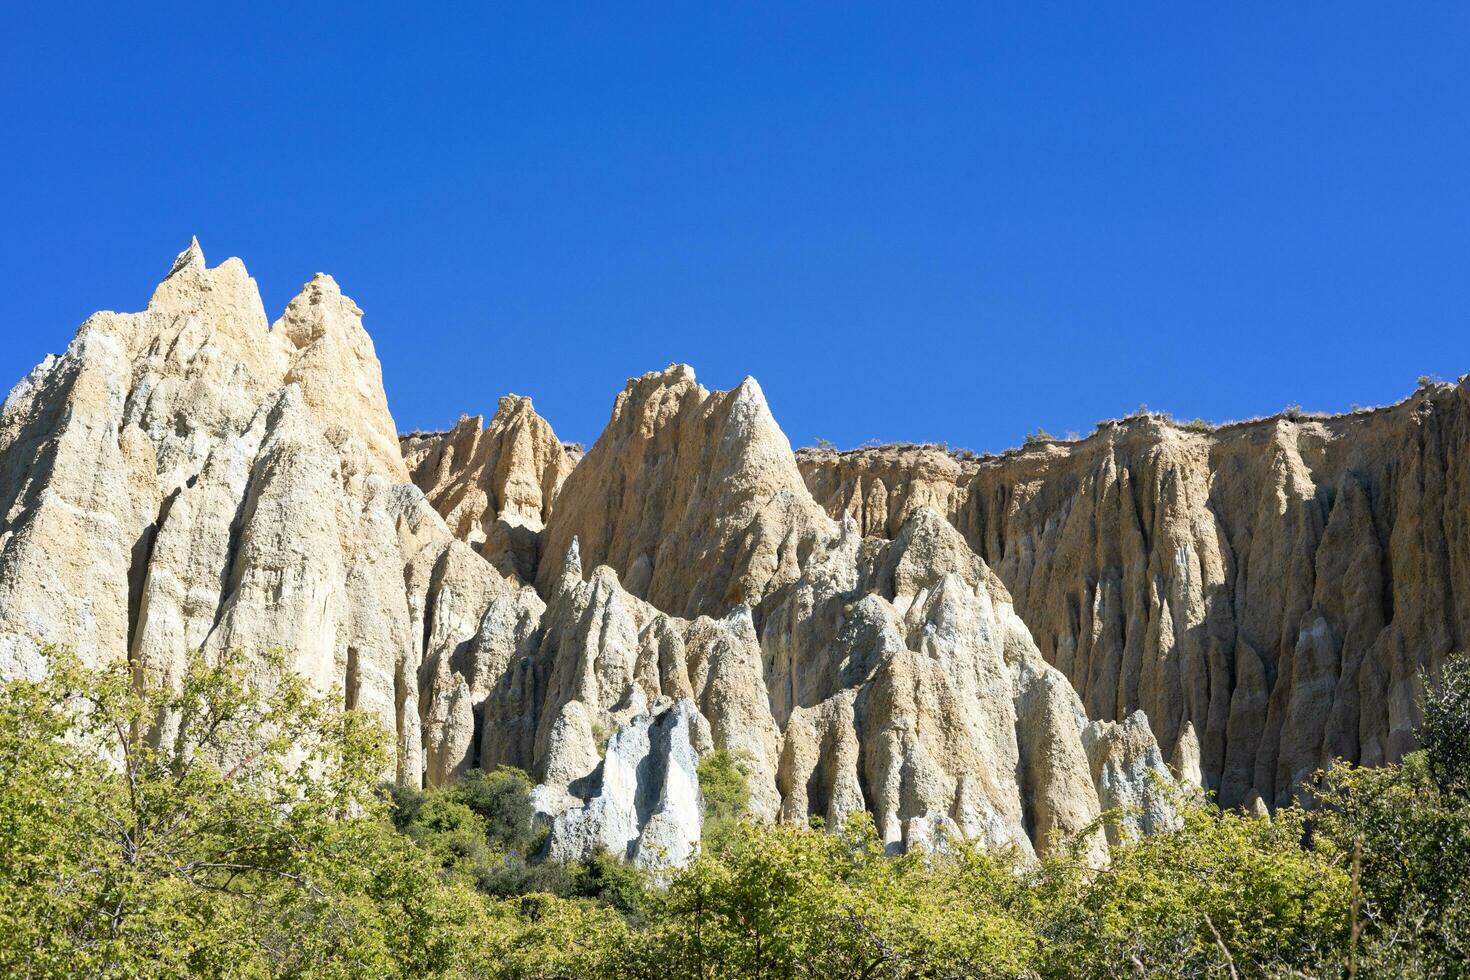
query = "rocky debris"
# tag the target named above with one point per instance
(1275, 587)
(646, 806)
(494, 484)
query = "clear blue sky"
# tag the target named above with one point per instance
(908, 221)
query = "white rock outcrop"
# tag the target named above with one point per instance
(646, 806)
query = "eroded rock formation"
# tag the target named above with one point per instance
(982, 647)
(190, 477)
(1275, 586)
(494, 483)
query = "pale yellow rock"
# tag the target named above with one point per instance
(333, 362)
(494, 484)
(1275, 588)
(694, 497)
(189, 478)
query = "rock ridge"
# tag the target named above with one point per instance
(1277, 585)
(961, 646)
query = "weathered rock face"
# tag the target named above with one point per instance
(647, 806)
(1275, 586)
(848, 673)
(881, 486)
(494, 484)
(694, 497)
(189, 477)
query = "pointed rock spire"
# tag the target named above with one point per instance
(701, 484)
(190, 258)
(571, 569)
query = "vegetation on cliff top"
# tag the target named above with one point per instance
(254, 839)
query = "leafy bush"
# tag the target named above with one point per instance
(230, 827)
(225, 827)
(1445, 731)
(503, 799)
(1039, 436)
(1407, 829)
(724, 783)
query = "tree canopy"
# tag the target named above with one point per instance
(234, 825)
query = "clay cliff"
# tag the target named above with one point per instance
(981, 647)
(193, 477)
(1278, 586)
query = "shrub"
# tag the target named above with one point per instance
(1039, 436)
(502, 798)
(225, 827)
(724, 783)
(1445, 731)
(249, 842)
(1411, 843)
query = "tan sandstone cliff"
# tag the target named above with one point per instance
(494, 483)
(191, 477)
(1277, 586)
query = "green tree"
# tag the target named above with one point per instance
(1224, 894)
(1445, 731)
(1407, 830)
(502, 797)
(224, 827)
(725, 785)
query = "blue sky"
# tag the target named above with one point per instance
(908, 221)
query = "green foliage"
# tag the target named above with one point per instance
(826, 444)
(229, 826)
(724, 784)
(1225, 889)
(225, 826)
(1198, 425)
(1039, 436)
(1445, 732)
(480, 832)
(1412, 844)
(1407, 828)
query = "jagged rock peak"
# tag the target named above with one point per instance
(331, 357)
(190, 258)
(494, 484)
(693, 496)
(185, 477)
